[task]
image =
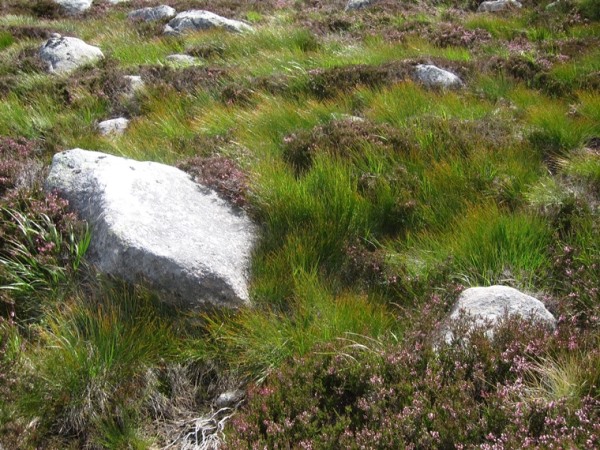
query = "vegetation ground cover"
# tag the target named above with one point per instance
(378, 199)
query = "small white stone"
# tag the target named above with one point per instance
(113, 126)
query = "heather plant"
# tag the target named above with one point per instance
(390, 394)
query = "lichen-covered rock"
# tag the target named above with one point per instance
(65, 54)
(498, 5)
(152, 14)
(197, 19)
(113, 126)
(431, 75)
(488, 305)
(74, 6)
(150, 222)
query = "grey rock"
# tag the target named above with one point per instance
(152, 14)
(358, 4)
(113, 126)
(498, 5)
(74, 6)
(182, 59)
(490, 304)
(135, 83)
(434, 76)
(65, 54)
(150, 222)
(197, 19)
(229, 398)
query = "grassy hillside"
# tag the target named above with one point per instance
(379, 200)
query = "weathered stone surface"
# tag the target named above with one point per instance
(151, 222)
(74, 6)
(113, 126)
(65, 54)
(490, 304)
(182, 59)
(152, 14)
(358, 4)
(434, 76)
(197, 19)
(498, 5)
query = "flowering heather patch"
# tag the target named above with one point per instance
(410, 394)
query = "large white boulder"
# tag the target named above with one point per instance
(151, 14)
(498, 5)
(150, 222)
(488, 305)
(65, 54)
(74, 6)
(431, 75)
(197, 19)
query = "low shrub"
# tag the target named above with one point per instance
(221, 174)
(361, 393)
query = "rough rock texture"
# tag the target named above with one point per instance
(203, 20)
(498, 5)
(183, 59)
(434, 76)
(151, 222)
(493, 303)
(74, 6)
(152, 14)
(358, 4)
(113, 126)
(65, 54)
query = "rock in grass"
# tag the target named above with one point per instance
(196, 20)
(498, 5)
(358, 4)
(182, 59)
(135, 83)
(488, 305)
(113, 126)
(434, 76)
(152, 14)
(74, 6)
(150, 222)
(65, 54)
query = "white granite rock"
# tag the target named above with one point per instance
(150, 222)
(65, 54)
(498, 5)
(196, 20)
(434, 76)
(113, 126)
(152, 14)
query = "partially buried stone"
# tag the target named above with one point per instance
(113, 126)
(196, 20)
(151, 223)
(152, 14)
(65, 54)
(498, 5)
(358, 4)
(431, 75)
(74, 6)
(488, 305)
(182, 59)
